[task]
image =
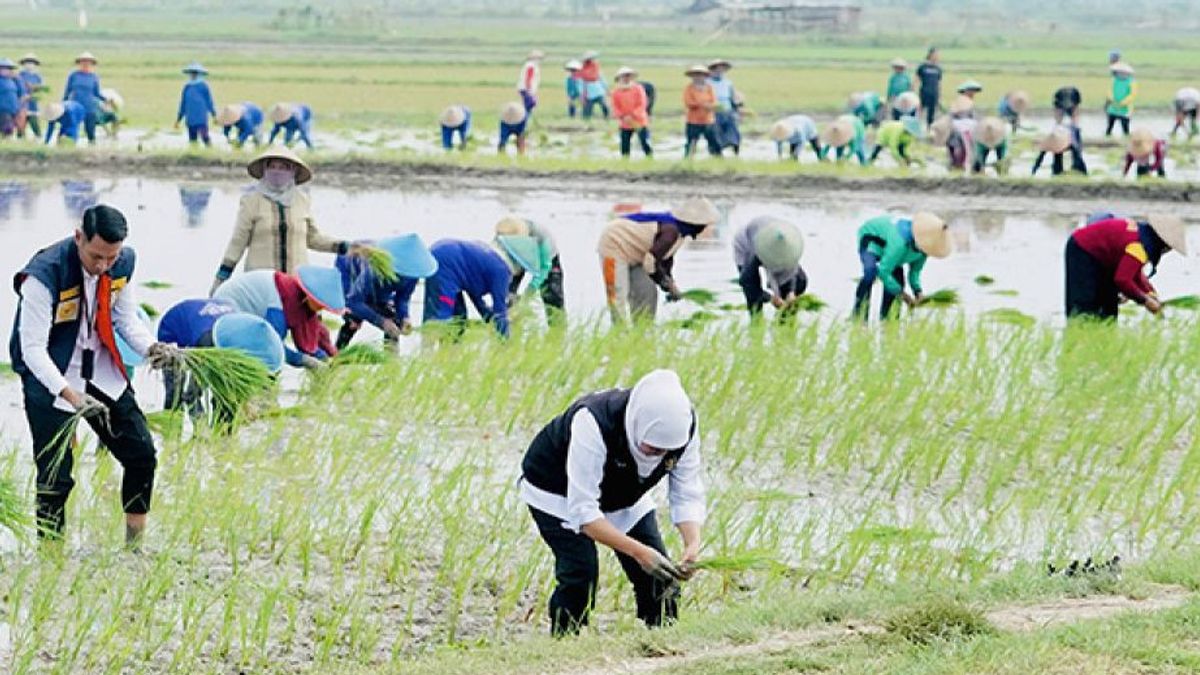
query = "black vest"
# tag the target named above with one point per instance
(545, 464)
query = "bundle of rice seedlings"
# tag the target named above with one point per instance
(361, 355)
(944, 297)
(700, 296)
(740, 562)
(381, 263)
(984, 280)
(1183, 302)
(14, 517)
(231, 377)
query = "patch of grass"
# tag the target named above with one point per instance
(937, 620)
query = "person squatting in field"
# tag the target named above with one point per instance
(885, 246)
(1106, 258)
(774, 246)
(383, 303)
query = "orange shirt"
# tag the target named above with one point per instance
(700, 104)
(629, 106)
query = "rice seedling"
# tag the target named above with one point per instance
(1183, 302)
(229, 376)
(150, 310)
(943, 297)
(157, 285)
(984, 280)
(380, 262)
(361, 355)
(14, 513)
(1010, 316)
(740, 562)
(700, 296)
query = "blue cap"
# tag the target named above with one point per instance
(410, 256)
(195, 67)
(130, 358)
(323, 284)
(252, 335)
(1114, 55)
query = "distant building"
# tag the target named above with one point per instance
(781, 16)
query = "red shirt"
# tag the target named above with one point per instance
(590, 71)
(308, 333)
(1116, 246)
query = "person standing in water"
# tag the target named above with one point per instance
(196, 105)
(83, 87)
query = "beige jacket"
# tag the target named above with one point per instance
(266, 245)
(633, 242)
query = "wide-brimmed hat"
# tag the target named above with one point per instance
(838, 132)
(697, 69)
(931, 234)
(590, 54)
(86, 56)
(906, 101)
(969, 85)
(53, 111)
(940, 130)
(913, 126)
(623, 71)
(512, 226)
(1018, 100)
(30, 58)
(195, 67)
(899, 63)
(778, 245)
(719, 63)
(410, 256)
(697, 211)
(453, 116)
(282, 112)
(8, 63)
(781, 131)
(536, 55)
(1121, 68)
(512, 113)
(855, 99)
(1171, 229)
(521, 250)
(1057, 141)
(572, 65)
(230, 114)
(251, 335)
(962, 105)
(1141, 142)
(255, 168)
(991, 131)
(324, 286)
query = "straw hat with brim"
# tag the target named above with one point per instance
(453, 116)
(781, 131)
(86, 56)
(837, 133)
(536, 55)
(1057, 141)
(512, 113)
(991, 132)
(899, 63)
(1121, 68)
(1171, 229)
(697, 211)
(282, 112)
(230, 114)
(113, 98)
(907, 101)
(195, 67)
(940, 130)
(1141, 142)
(324, 286)
(623, 71)
(250, 335)
(719, 63)
(410, 256)
(257, 165)
(778, 245)
(697, 70)
(1018, 101)
(7, 63)
(969, 85)
(53, 112)
(512, 226)
(521, 250)
(31, 58)
(931, 234)
(573, 65)
(589, 55)
(962, 105)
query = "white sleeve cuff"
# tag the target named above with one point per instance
(689, 513)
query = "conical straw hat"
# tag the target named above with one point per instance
(931, 234)
(282, 112)
(838, 132)
(512, 113)
(1141, 142)
(991, 132)
(1172, 230)
(230, 114)
(1057, 141)
(257, 165)
(697, 211)
(453, 116)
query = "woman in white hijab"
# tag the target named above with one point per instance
(587, 478)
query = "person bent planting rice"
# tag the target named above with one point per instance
(795, 131)
(1057, 143)
(885, 246)
(1105, 260)
(246, 118)
(383, 302)
(547, 279)
(774, 246)
(1148, 153)
(472, 270)
(75, 300)
(586, 479)
(295, 120)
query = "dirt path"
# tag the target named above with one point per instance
(1016, 618)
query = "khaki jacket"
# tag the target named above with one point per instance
(266, 244)
(633, 243)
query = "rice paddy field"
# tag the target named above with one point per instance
(974, 488)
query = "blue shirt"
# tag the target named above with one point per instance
(32, 81)
(724, 90)
(68, 124)
(300, 124)
(474, 269)
(255, 293)
(84, 89)
(196, 104)
(247, 127)
(11, 91)
(187, 323)
(368, 297)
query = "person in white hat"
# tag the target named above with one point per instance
(547, 277)
(905, 104)
(65, 118)
(530, 79)
(637, 252)
(455, 121)
(771, 245)
(629, 103)
(1187, 103)
(34, 87)
(1106, 259)
(729, 104)
(295, 120)
(83, 87)
(594, 88)
(700, 104)
(514, 121)
(573, 85)
(885, 246)
(196, 105)
(795, 131)
(1148, 152)
(1012, 106)
(1120, 100)
(899, 82)
(1056, 144)
(991, 135)
(247, 118)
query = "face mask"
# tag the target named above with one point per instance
(279, 179)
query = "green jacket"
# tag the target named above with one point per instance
(547, 250)
(1124, 91)
(898, 83)
(893, 136)
(890, 240)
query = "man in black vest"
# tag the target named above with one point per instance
(586, 479)
(76, 297)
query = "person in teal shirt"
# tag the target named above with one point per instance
(547, 279)
(1120, 102)
(899, 82)
(866, 106)
(885, 246)
(848, 136)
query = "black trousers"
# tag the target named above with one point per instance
(750, 279)
(552, 290)
(1090, 289)
(128, 440)
(862, 294)
(929, 103)
(577, 572)
(692, 135)
(643, 135)
(1112, 121)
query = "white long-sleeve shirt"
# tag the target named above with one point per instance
(34, 331)
(586, 456)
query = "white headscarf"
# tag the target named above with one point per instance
(659, 414)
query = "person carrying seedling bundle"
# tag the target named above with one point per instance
(574, 87)
(246, 118)
(796, 130)
(76, 297)
(700, 102)
(898, 137)
(196, 104)
(65, 118)
(774, 246)
(991, 135)
(866, 106)
(929, 74)
(1148, 153)
(83, 87)
(530, 79)
(472, 270)
(292, 304)
(906, 104)
(847, 135)
(594, 89)
(885, 246)
(1012, 106)
(1120, 101)
(728, 110)
(1187, 103)
(514, 121)
(295, 120)
(34, 87)
(899, 82)
(547, 279)
(629, 107)
(455, 120)
(1057, 143)
(586, 479)
(1106, 259)
(378, 300)
(637, 252)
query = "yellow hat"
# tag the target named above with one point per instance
(230, 114)
(1171, 229)
(1057, 141)
(512, 113)
(931, 234)
(257, 165)
(697, 211)
(838, 132)
(282, 112)
(453, 116)
(512, 226)
(991, 132)
(1141, 142)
